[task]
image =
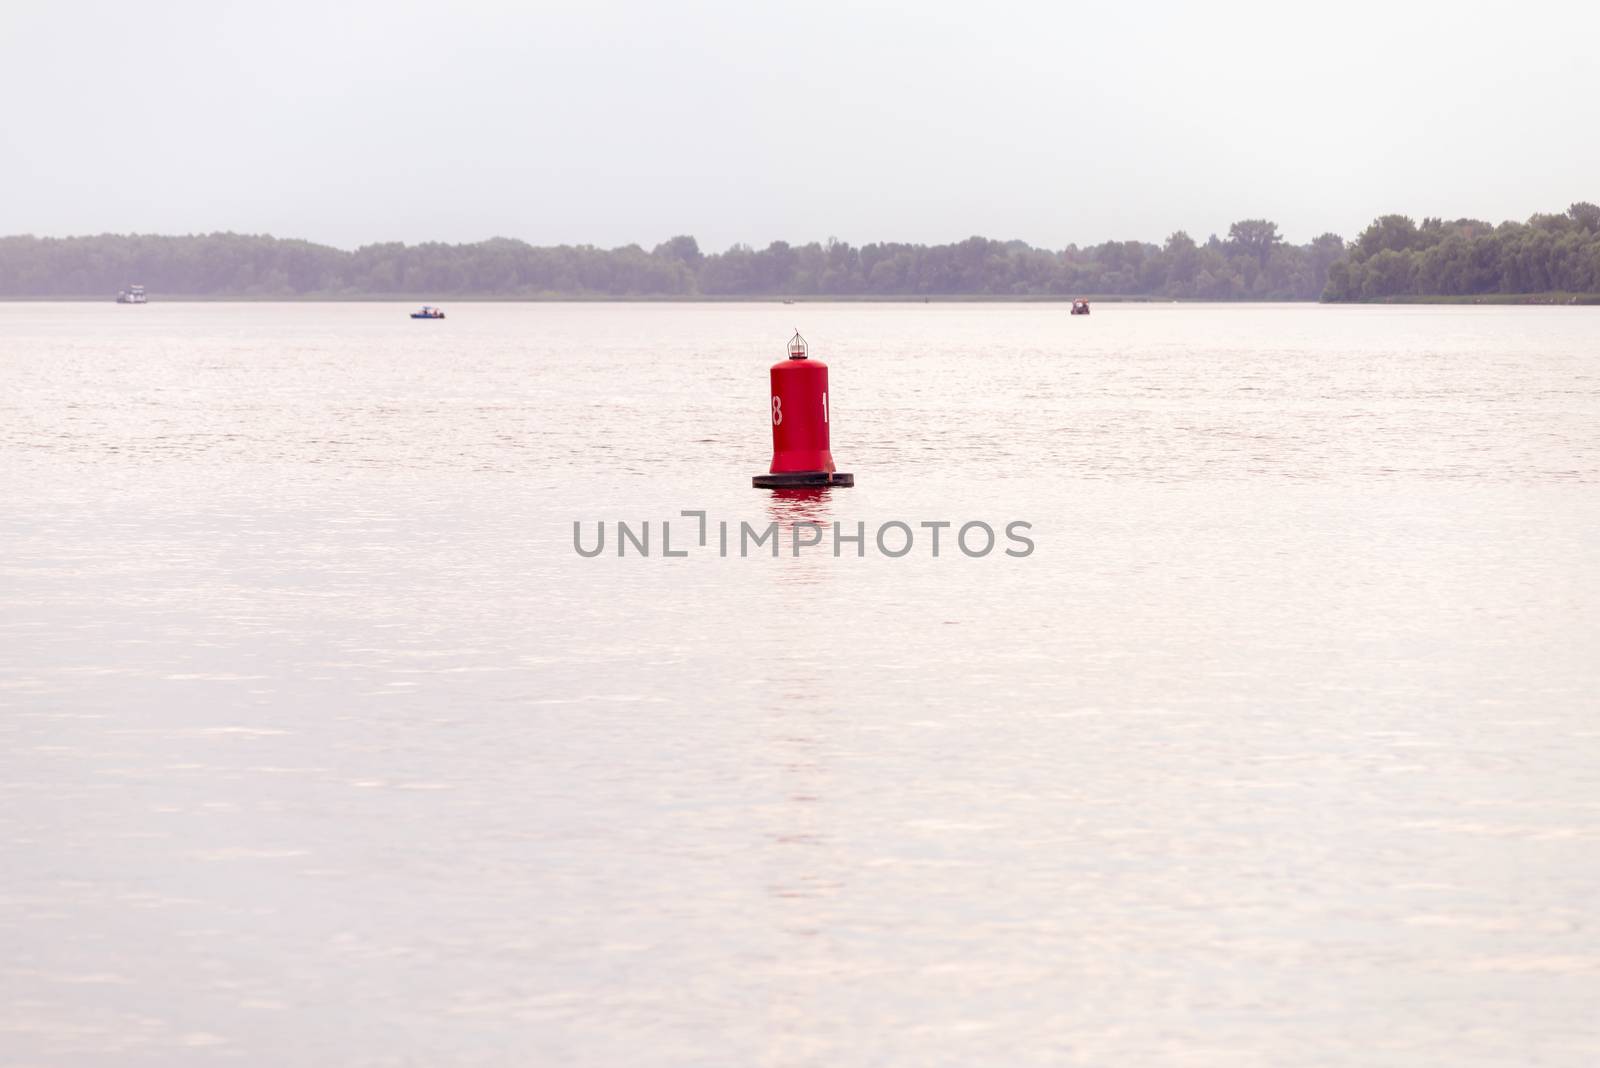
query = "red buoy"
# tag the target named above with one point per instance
(799, 411)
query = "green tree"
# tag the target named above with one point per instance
(683, 249)
(1254, 237)
(1389, 274)
(1586, 216)
(1388, 233)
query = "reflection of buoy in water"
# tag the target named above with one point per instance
(799, 411)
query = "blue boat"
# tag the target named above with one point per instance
(428, 311)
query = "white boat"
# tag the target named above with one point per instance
(132, 295)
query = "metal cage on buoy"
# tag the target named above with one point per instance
(798, 347)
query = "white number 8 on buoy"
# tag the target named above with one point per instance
(777, 411)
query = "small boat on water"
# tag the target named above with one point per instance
(428, 311)
(1080, 307)
(132, 295)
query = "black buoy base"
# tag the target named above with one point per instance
(794, 479)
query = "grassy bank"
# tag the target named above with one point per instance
(1484, 298)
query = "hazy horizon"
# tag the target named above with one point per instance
(628, 123)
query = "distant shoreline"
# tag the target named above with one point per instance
(697, 298)
(1496, 299)
(1550, 259)
(1253, 263)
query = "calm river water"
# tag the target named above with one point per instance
(322, 746)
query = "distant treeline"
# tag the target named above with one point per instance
(1251, 263)
(1396, 258)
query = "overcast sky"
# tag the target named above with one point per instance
(630, 121)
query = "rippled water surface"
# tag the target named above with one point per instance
(321, 745)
